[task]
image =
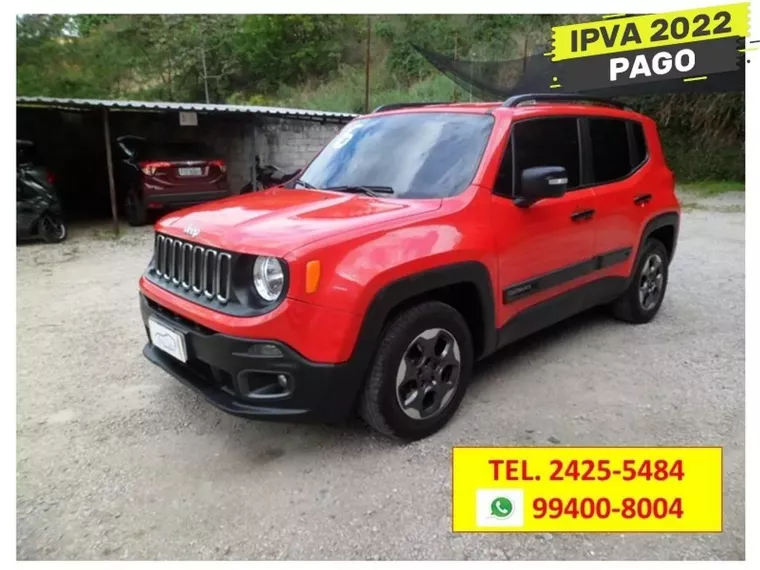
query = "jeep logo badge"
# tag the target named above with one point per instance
(192, 231)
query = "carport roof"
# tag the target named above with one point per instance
(65, 103)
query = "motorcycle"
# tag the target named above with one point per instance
(38, 205)
(267, 176)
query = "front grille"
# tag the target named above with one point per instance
(203, 271)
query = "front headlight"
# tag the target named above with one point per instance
(268, 278)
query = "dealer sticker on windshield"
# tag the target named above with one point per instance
(346, 135)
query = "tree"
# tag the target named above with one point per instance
(286, 49)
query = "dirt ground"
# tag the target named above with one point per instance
(117, 460)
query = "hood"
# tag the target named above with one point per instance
(277, 221)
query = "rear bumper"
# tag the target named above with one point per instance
(224, 370)
(163, 199)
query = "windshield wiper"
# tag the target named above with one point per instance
(373, 191)
(304, 184)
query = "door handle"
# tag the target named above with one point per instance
(642, 199)
(582, 215)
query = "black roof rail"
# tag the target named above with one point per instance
(515, 100)
(394, 106)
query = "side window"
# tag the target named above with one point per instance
(503, 184)
(609, 145)
(547, 142)
(639, 144)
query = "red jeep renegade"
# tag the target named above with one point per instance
(422, 238)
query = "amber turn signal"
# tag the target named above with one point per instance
(313, 270)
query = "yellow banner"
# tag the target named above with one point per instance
(587, 489)
(654, 30)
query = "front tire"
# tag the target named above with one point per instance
(641, 301)
(420, 372)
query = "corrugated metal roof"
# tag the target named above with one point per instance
(198, 107)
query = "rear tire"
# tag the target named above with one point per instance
(135, 208)
(420, 372)
(641, 301)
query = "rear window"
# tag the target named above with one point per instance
(611, 155)
(177, 151)
(640, 152)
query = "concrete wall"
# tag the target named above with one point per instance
(291, 144)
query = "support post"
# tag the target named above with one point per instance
(109, 163)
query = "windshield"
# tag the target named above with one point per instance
(423, 155)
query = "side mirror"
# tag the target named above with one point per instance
(541, 182)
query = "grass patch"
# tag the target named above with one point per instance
(691, 206)
(713, 187)
(696, 206)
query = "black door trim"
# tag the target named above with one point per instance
(560, 276)
(560, 307)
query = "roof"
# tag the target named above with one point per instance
(523, 105)
(474, 107)
(65, 103)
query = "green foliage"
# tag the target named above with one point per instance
(317, 61)
(713, 187)
(277, 49)
(702, 135)
(51, 60)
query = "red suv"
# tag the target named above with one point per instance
(422, 238)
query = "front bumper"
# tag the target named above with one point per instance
(224, 370)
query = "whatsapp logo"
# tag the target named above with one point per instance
(502, 508)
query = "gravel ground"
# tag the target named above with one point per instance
(116, 460)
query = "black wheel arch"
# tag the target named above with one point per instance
(665, 228)
(471, 276)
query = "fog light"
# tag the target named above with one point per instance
(283, 381)
(265, 351)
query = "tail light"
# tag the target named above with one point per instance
(219, 164)
(150, 168)
(50, 178)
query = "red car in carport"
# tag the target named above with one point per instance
(159, 175)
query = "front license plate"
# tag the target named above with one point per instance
(164, 338)
(191, 171)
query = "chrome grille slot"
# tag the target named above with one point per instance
(164, 253)
(176, 257)
(158, 253)
(223, 276)
(197, 270)
(194, 268)
(168, 255)
(187, 256)
(209, 268)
